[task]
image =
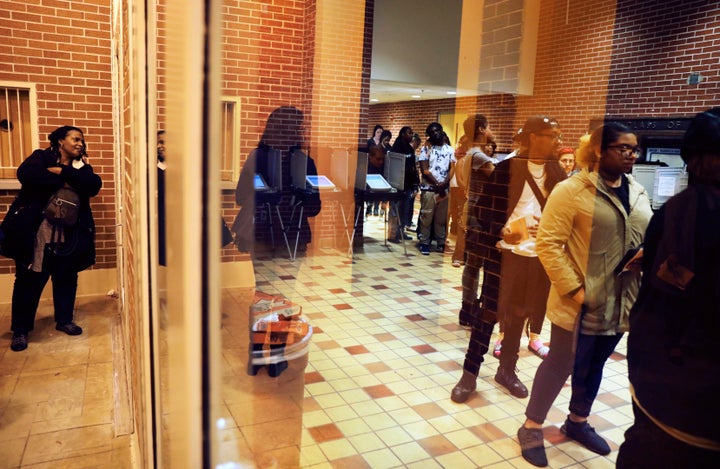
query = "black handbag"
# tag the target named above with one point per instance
(63, 207)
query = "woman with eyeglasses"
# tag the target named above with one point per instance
(591, 227)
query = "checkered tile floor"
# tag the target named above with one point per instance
(385, 353)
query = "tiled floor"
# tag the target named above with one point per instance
(57, 399)
(385, 353)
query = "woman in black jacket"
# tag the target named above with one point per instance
(43, 248)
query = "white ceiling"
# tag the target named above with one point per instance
(415, 50)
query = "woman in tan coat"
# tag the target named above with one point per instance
(591, 221)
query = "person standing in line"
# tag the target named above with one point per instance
(410, 204)
(398, 209)
(476, 166)
(374, 141)
(672, 352)
(437, 165)
(515, 287)
(43, 248)
(566, 158)
(592, 224)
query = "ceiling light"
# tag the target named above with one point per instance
(416, 96)
(374, 100)
(451, 92)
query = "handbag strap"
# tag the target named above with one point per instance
(536, 190)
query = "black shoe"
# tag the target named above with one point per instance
(393, 240)
(406, 237)
(532, 446)
(464, 323)
(424, 249)
(19, 342)
(506, 377)
(441, 248)
(584, 434)
(70, 328)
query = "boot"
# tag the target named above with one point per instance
(506, 377)
(465, 387)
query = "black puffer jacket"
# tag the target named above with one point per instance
(26, 213)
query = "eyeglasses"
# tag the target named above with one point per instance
(553, 136)
(626, 150)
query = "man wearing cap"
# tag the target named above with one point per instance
(515, 286)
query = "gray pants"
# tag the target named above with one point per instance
(433, 218)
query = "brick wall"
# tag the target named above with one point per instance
(593, 61)
(66, 52)
(310, 55)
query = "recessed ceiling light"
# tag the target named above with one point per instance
(416, 96)
(374, 100)
(451, 92)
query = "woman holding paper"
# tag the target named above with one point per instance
(591, 221)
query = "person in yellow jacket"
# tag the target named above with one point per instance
(590, 224)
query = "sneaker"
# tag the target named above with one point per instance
(584, 434)
(19, 342)
(425, 249)
(506, 377)
(70, 328)
(532, 446)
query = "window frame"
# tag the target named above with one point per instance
(13, 183)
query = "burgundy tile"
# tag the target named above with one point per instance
(317, 330)
(313, 377)
(449, 365)
(317, 267)
(429, 410)
(390, 269)
(342, 306)
(554, 435)
(356, 349)
(452, 327)
(617, 356)
(600, 423)
(416, 317)
(327, 345)
(477, 400)
(380, 287)
(422, 292)
(327, 432)
(611, 400)
(312, 298)
(311, 284)
(488, 432)
(424, 348)
(384, 337)
(437, 445)
(350, 462)
(378, 391)
(335, 291)
(377, 367)
(315, 315)
(404, 300)
(309, 404)
(358, 294)
(374, 315)
(286, 277)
